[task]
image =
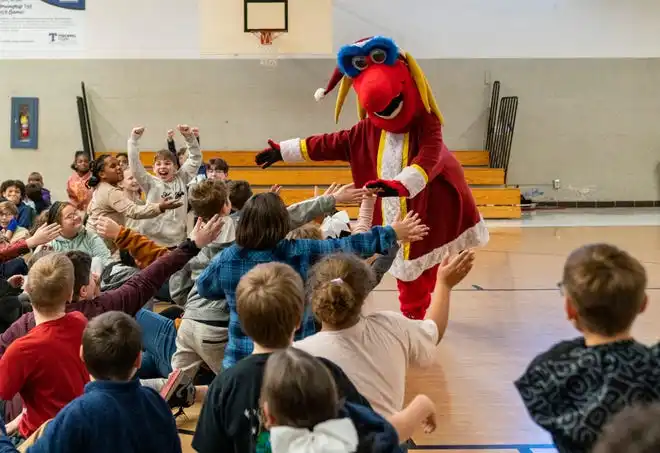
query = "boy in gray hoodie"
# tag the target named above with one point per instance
(202, 335)
(168, 229)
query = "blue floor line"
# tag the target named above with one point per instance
(522, 448)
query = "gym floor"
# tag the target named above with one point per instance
(506, 312)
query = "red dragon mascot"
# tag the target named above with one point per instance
(397, 147)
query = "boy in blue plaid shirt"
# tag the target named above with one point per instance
(260, 238)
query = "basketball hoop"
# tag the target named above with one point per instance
(266, 37)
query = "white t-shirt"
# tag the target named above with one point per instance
(375, 354)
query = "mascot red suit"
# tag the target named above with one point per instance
(397, 147)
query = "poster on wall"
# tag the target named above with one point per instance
(42, 25)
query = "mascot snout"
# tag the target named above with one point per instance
(376, 89)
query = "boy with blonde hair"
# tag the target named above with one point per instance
(577, 386)
(115, 414)
(44, 366)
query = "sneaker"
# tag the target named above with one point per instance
(172, 383)
(182, 392)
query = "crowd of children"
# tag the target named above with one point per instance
(266, 329)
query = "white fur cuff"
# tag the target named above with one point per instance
(291, 150)
(413, 179)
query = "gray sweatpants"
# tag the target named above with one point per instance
(198, 343)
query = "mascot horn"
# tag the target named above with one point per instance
(397, 148)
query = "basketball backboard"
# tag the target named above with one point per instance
(296, 27)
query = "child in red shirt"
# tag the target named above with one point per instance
(44, 366)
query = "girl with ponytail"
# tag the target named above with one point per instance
(109, 199)
(375, 349)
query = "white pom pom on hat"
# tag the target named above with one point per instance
(319, 94)
(332, 83)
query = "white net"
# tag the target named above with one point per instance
(268, 49)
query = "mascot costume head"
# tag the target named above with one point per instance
(390, 86)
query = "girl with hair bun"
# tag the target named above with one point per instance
(375, 349)
(109, 199)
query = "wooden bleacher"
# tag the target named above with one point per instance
(298, 180)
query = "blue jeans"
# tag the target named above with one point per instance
(158, 342)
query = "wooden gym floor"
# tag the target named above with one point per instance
(507, 311)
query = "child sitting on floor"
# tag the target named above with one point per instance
(110, 201)
(270, 300)
(133, 192)
(375, 349)
(14, 191)
(34, 195)
(577, 386)
(115, 414)
(44, 366)
(203, 333)
(239, 193)
(217, 168)
(74, 236)
(167, 184)
(260, 238)
(36, 178)
(9, 228)
(302, 410)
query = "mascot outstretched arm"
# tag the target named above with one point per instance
(396, 146)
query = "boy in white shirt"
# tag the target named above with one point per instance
(170, 228)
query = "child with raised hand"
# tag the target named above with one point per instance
(110, 201)
(591, 378)
(167, 183)
(42, 235)
(80, 194)
(203, 332)
(115, 413)
(260, 238)
(376, 349)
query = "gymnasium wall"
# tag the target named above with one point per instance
(590, 122)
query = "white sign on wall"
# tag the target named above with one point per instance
(41, 25)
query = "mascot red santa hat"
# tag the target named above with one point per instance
(396, 147)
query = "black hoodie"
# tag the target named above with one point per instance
(573, 390)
